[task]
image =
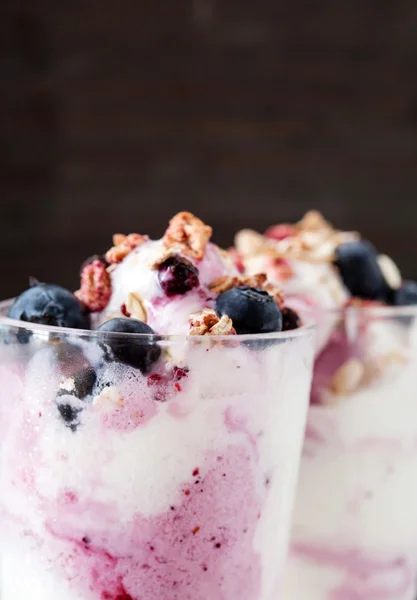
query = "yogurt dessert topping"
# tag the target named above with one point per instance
(325, 266)
(322, 270)
(149, 447)
(355, 519)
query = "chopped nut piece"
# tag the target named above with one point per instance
(135, 307)
(95, 289)
(256, 281)
(118, 238)
(324, 251)
(224, 283)
(313, 220)
(223, 327)
(188, 234)
(208, 323)
(276, 293)
(249, 242)
(312, 239)
(201, 322)
(348, 377)
(390, 271)
(123, 245)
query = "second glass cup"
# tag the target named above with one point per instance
(122, 483)
(354, 534)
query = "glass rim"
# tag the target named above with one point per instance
(38, 328)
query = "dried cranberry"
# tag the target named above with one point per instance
(177, 276)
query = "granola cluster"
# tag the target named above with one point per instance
(312, 239)
(187, 235)
(123, 245)
(207, 322)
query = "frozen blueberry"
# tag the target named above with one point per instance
(14, 335)
(177, 276)
(69, 415)
(252, 310)
(140, 353)
(290, 319)
(80, 384)
(50, 305)
(359, 270)
(406, 295)
(72, 394)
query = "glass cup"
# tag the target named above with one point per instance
(354, 533)
(173, 479)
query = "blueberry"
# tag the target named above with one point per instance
(69, 415)
(406, 295)
(80, 384)
(50, 305)
(75, 388)
(290, 319)
(177, 276)
(140, 353)
(358, 267)
(252, 310)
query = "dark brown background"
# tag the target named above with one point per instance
(114, 115)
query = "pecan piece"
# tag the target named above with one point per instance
(224, 283)
(276, 292)
(223, 327)
(189, 234)
(256, 281)
(313, 220)
(123, 245)
(207, 322)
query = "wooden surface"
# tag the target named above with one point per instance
(116, 115)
